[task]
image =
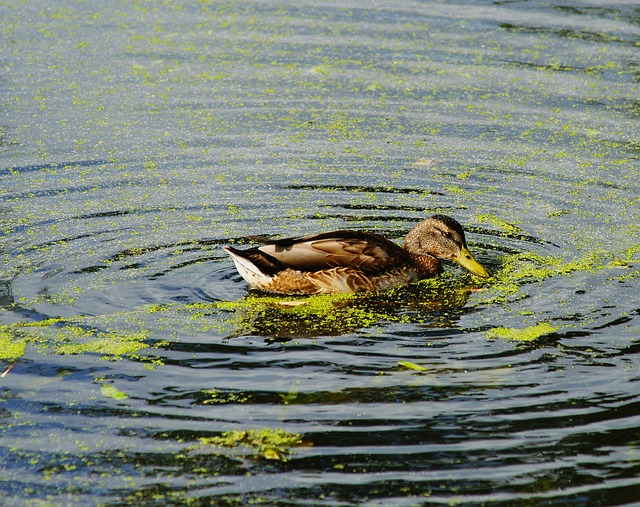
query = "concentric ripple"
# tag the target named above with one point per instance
(139, 138)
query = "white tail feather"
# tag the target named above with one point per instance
(248, 270)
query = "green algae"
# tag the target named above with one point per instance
(285, 317)
(226, 71)
(500, 224)
(525, 334)
(67, 337)
(113, 392)
(525, 268)
(218, 397)
(12, 346)
(265, 443)
(71, 339)
(411, 366)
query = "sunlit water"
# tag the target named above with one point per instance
(137, 138)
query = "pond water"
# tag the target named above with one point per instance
(139, 137)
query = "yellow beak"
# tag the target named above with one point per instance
(466, 260)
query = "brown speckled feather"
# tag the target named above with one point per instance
(334, 280)
(358, 250)
(353, 261)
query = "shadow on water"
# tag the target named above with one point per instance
(360, 188)
(437, 303)
(570, 34)
(6, 298)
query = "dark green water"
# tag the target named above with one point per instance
(138, 137)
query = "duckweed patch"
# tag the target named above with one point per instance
(304, 316)
(525, 334)
(411, 366)
(218, 397)
(11, 345)
(195, 128)
(66, 337)
(110, 391)
(110, 345)
(500, 224)
(524, 268)
(265, 443)
(333, 314)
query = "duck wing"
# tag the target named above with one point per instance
(357, 250)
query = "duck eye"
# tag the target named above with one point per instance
(448, 235)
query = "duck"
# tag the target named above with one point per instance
(348, 261)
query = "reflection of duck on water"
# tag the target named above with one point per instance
(434, 303)
(353, 261)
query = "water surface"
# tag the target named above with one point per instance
(137, 138)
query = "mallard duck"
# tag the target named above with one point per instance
(354, 261)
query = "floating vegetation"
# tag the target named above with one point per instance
(266, 443)
(281, 317)
(526, 334)
(12, 346)
(500, 224)
(218, 397)
(68, 337)
(210, 121)
(411, 366)
(528, 267)
(110, 391)
(286, 317)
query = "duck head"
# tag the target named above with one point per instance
(442, 237)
